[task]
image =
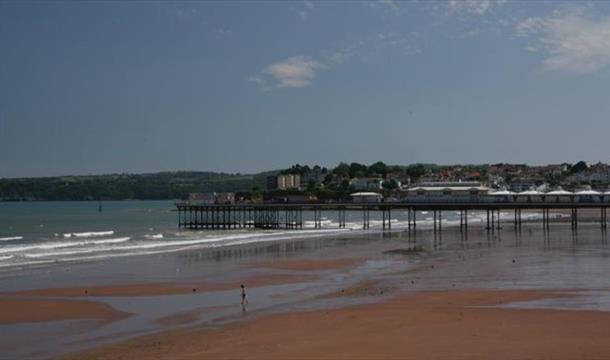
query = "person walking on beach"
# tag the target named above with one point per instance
(244, 301)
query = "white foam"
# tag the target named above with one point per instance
(89, 234)
(61, 253)
(58, 245)
(155, 236)
(176, 245)
(11, 238)
(6, 257)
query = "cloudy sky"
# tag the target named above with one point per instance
(99, 87)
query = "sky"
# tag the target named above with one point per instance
(111, 87)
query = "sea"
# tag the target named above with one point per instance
(34, 234)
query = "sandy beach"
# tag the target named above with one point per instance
(426, 325)
(509, 295)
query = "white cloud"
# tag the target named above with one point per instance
(304, 12)
(297, 71)
(257, 80)
(222, 32)
(477, 7)
(571, 40)
(387, 4)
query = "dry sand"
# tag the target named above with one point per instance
(427, 325)
(18, 310)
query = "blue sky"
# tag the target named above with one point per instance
(103, 87)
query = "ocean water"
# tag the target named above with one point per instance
(46, 233)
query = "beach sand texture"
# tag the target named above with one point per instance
(348, 298)
(426, 325)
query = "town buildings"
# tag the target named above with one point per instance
(284, 182)
(212, 198)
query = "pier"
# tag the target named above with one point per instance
(290, 216)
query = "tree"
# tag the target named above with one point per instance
(416, 171)
(342, 170)
(390, 185)
(378, 168)
(311, 185)
(357, 170)
(578, 167)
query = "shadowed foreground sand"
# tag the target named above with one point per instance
(427, 325)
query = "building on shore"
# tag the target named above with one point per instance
(446, 191)
(284, 182)
(295, 199)
(212, 198)
(203, 198)
(366, 197)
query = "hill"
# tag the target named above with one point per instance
(156, 186)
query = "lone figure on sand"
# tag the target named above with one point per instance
(244, 301)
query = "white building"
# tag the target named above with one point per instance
(366, 197)
(446, 191)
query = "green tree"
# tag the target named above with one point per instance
(416, 171)
(342, 170)
(378, 168)
(357, 170)
(578, 167)
(390, 185)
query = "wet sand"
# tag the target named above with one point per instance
(307, 264)
(162, 288)
(20, 310)
(425, 325)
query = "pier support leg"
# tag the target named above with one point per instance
(414, 219)
(440, 220)
(487, 225)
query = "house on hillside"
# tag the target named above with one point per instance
(367, 183)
